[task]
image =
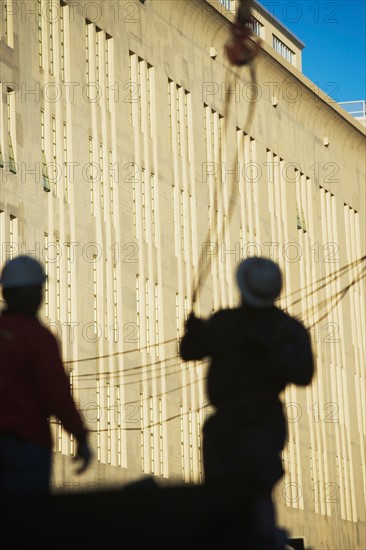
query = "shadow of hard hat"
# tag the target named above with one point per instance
(22, 271)
(259, 281)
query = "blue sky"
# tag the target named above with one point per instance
(334, 36)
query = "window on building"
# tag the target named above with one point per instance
(106, 302)
(142, 442)
(99, 63)
(65, 167)
(91, 176)
(282, 49)
(175, 221)
(140, 82)
(88, 28)
(58, 280)
(227, 4)
(133, 85)
(108, 43)
(151, 419)
(153, 207)
(157, 334)
(143, 201)
(145, 85)
(149, 91)
(255, 26)
(161, 438)
(39, 26)
(46, 286)
(98, 52)
(187, 121)
(95, 293)
(13, 236)
(109, 423)
(181, 206)
(177, 316)
(190, 442)
(8, 18)
(98, 422)
(185, 308)
(182, 446)
(68, 293)
(99, 67)
(72, 438)
(178, 117)
(11, 129)
(64, 43)
(170, 96)
(134, 205)
(302, 185)
(138, 310)
(59, 436)
(118, 419)
(45, 178)
(180, 114)
(51, 22)
(101, 175)
(115, 304)
(147, 315)
(111, 184)
(54, 152)
(199, 444)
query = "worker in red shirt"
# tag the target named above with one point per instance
(33, 385)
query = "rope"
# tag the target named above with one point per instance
(243, 15)
(338, 296)
(331, 277)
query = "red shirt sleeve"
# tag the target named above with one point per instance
(53, 385)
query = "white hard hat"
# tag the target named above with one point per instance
(22, 271)
(259, 281)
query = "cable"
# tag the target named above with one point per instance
(329, 299)
(335, 275)
(243, 14)
(341, 293)
(155, 424)
(161, 394)
(141, 380)
(106, 373)
(213, 223)
(119, 352)
(330, 277)
(338, 296)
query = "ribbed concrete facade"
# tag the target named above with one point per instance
(115, 186)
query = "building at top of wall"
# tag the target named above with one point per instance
(266, 25)
(356, 109)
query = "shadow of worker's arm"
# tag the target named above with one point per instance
(294, 355)
(53, 387)
(195, 344)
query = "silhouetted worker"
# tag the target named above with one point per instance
(256, 350)
(33, 385)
